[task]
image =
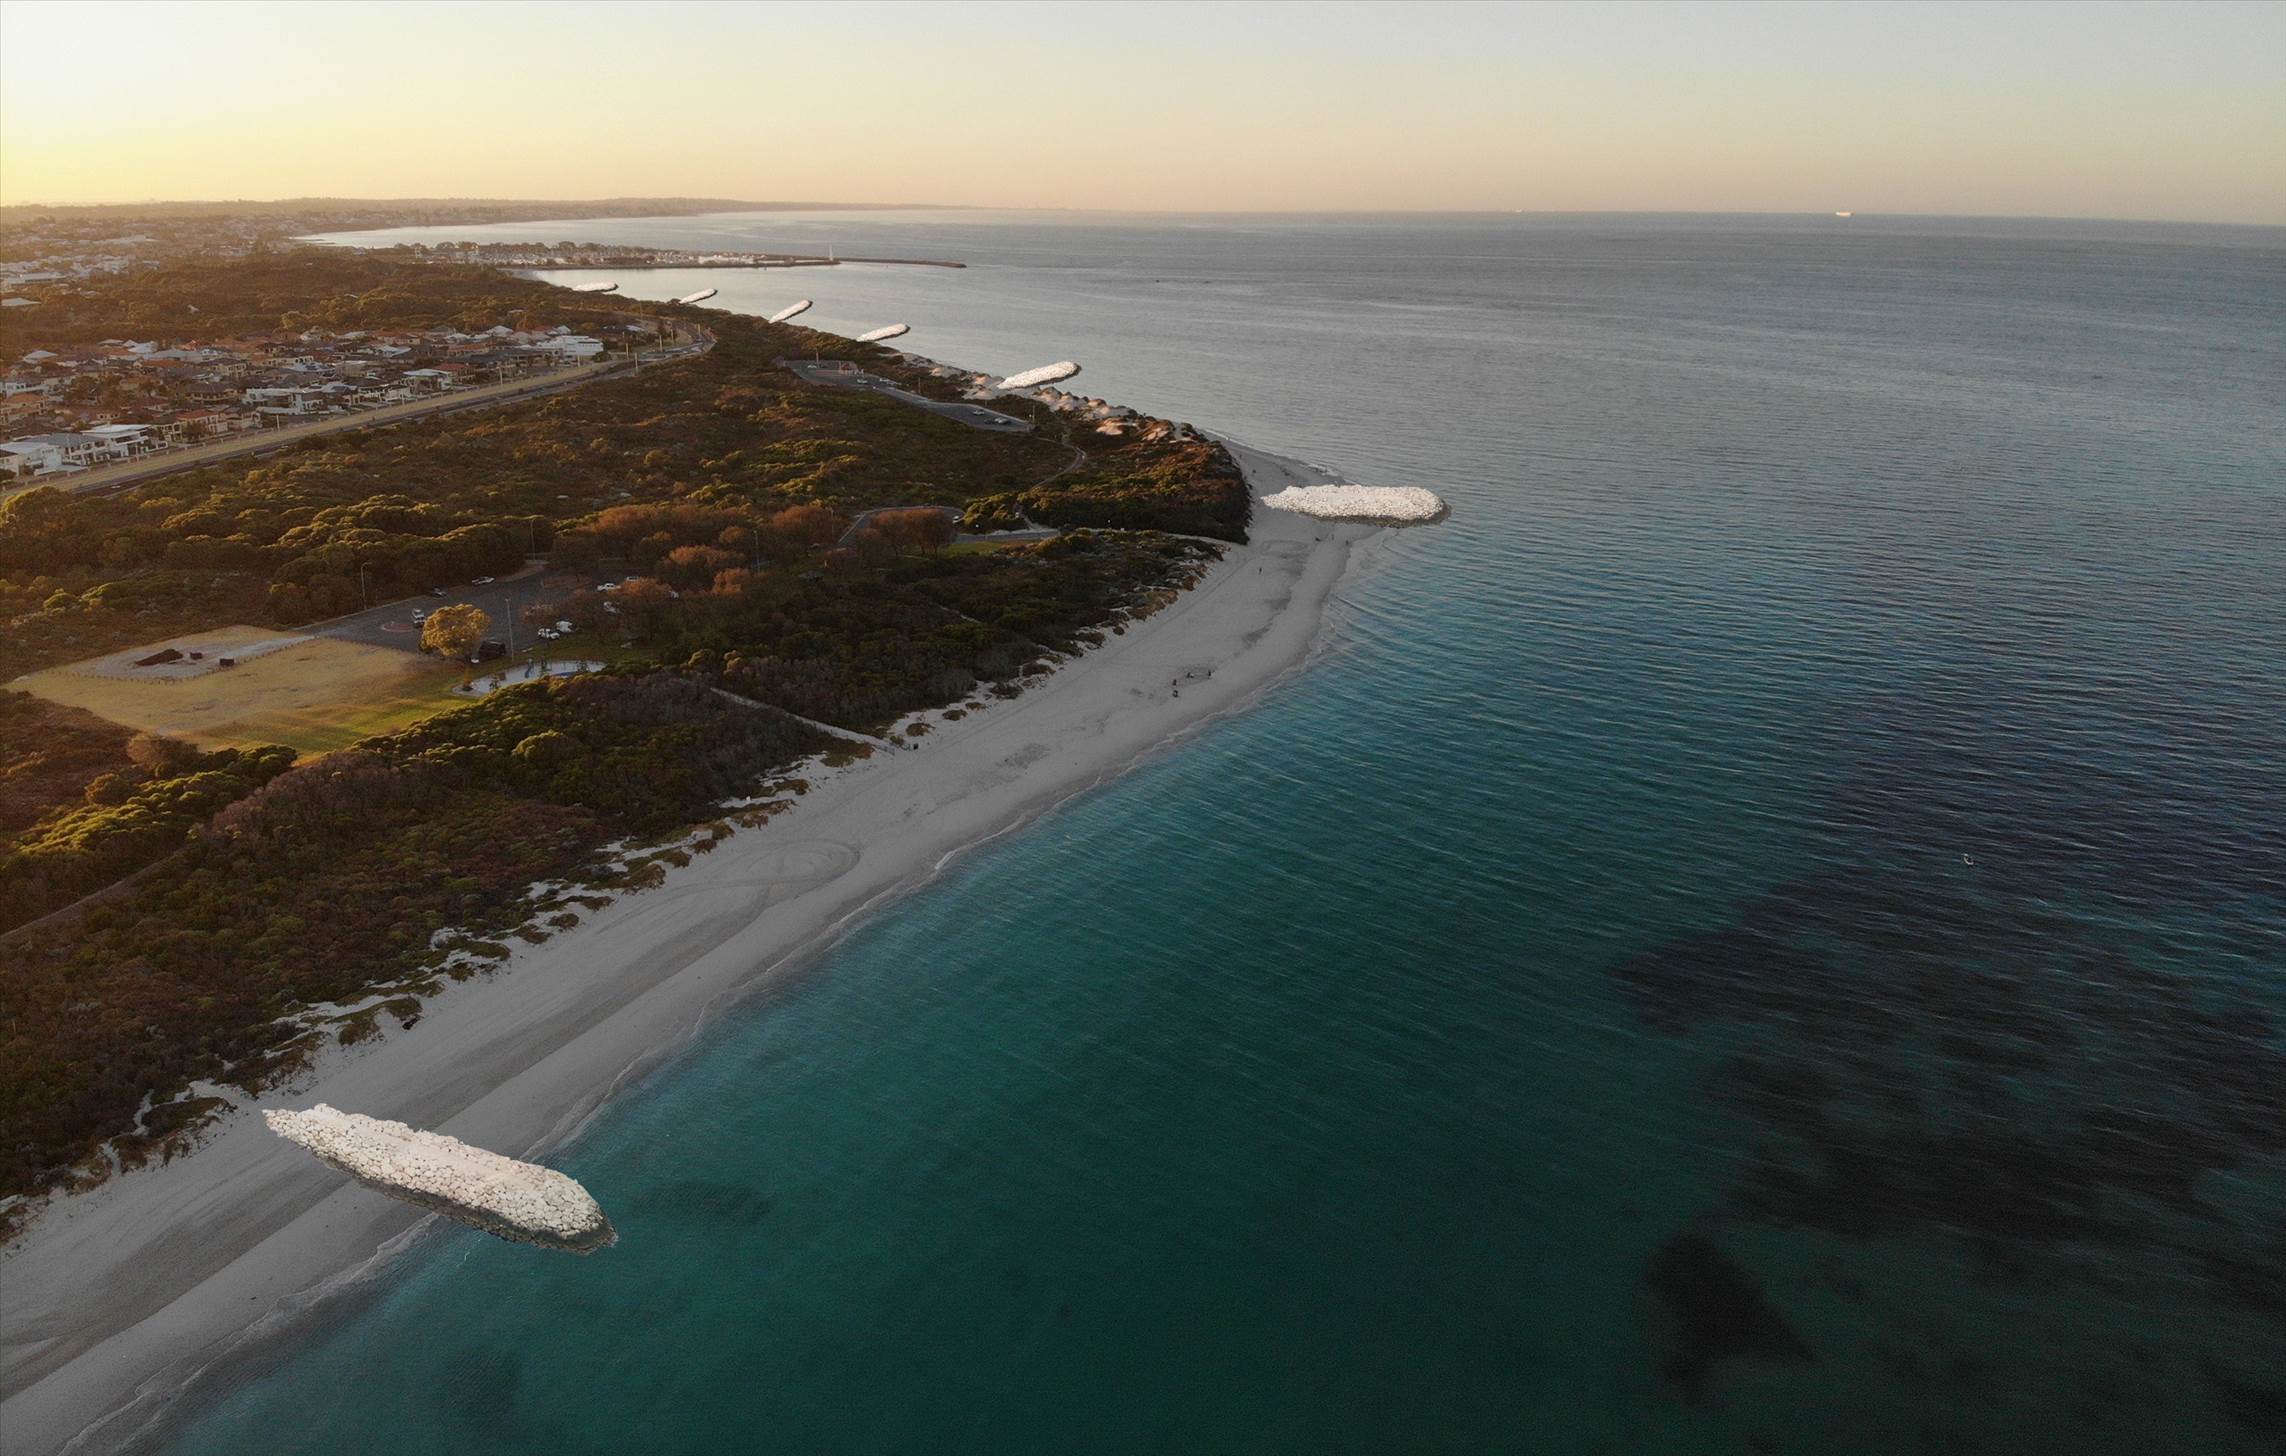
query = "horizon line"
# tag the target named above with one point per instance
(725, 206)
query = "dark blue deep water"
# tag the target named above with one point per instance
(1766, 933)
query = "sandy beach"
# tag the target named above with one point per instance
(115, 1300)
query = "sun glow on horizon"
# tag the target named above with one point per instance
(2077, 110)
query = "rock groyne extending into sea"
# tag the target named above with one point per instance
(1385, 505)
(514, 1200)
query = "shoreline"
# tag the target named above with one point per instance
(119, 1299)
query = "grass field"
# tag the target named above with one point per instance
(314, 696)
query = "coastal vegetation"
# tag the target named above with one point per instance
(127, 818)
(748, 551)
(368, 516)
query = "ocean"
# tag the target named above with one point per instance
(1766, 932)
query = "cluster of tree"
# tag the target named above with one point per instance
(673, 538)
(336, 876)
(1188, 486)
(291, 289)
(887, 535)
(128, 818)
(81, 614)
(861, 649)
(49, 754)
(1058, 593)
(358, 566)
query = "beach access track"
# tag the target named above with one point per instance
(840, 374)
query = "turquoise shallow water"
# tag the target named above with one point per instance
(1767, 932)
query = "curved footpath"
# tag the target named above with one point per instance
(117, 1299)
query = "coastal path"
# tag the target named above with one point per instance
(850, 734)
(839, 375)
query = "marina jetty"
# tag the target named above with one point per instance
(519, 1201)
(606, 255)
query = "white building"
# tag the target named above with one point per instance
(570, 346)
(56, 454)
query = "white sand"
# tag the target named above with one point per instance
(116, 1298)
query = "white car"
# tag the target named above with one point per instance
(563, 627)
(482, 581)
(547, 634)
(420, 616)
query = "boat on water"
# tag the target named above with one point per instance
(1845, 214)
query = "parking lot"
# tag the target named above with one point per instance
(392, 625)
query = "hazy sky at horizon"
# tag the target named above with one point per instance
(2066, 109)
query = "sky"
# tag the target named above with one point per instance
(2069, 109)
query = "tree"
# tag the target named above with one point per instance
(695, 566)
(645, 603)
(455, 631)
(918, 529)
(160, 756)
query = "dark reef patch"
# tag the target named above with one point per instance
(2020, 1016)
(2001, 1080)
(1718, 1313)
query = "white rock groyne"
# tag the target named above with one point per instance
(1045, 374)
(889, 331)
(514, 1200)
(1386, 504)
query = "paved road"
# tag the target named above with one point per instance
(128, 474)
(392, 625)
(975, 416)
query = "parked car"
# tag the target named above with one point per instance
(420, 616)
(563, 627)
(482, 581)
